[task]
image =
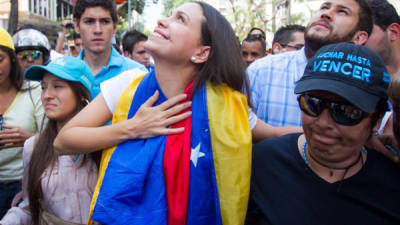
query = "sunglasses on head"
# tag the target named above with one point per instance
(34, 54)
(257, 36)
(342, 113)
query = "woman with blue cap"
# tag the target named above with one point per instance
(56, 189)
(21, 115)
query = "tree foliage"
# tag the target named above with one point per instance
(245, 14)
(137, 5)
(170, 5)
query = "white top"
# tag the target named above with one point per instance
(384, 121)
(54, 55)
(67, 192)
(113, 88)
(26, 112)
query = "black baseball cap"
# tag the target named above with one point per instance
(353, 72)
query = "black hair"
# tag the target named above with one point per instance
(16, 77)
(224, 64)
(252, 37)
(383, 13)
(82, 5)
(365, 22)
(76, 36)
(284, 34)
(131, 38)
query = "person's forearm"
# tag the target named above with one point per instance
(85, 132)
(280, 131)
(82, 140)
(262, 131)
(60, 43)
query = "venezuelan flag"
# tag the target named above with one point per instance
(199, 177)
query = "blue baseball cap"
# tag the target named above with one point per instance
(353, 72)
(67, 68)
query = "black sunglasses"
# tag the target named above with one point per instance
(297, 47)
(342, 113)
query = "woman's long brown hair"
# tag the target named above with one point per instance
(224, 64)
(44, 157)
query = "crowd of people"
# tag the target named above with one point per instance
(191, 126)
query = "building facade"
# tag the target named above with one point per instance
(44, 14)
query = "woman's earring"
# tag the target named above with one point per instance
(193, 59)
(86, 101)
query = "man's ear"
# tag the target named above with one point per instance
(76, 26)
(127, 54)
(201, 54)
(360, 37)
(276, 48)
(393, 31)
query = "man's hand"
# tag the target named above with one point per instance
(385, 144)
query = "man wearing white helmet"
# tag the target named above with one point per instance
(32, 47)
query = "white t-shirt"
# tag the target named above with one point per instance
(113, 88)
(385, 119)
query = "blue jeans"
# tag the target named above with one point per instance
(7, 192)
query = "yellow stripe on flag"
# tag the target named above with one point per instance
(231, 145)
(120, 114)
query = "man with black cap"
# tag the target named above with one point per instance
(272, 78)
(327, 175)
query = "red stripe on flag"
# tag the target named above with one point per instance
(177, 168)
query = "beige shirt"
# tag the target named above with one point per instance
(67, 190)
(26, 112)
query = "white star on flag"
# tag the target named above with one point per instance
(196, 154)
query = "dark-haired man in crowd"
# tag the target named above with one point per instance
(133, 48)
(96, 22)
(385, 40)
(272, 79)
(385, 37)
(288, 38)
(75, 45)
(257, 31)
(252, 48)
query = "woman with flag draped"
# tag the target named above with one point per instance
(199, 172)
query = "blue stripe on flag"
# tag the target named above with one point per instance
(203, 192)
(133, 189)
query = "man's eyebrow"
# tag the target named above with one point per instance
(96, 18)
(344, 7)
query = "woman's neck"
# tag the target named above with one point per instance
(173, 79)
